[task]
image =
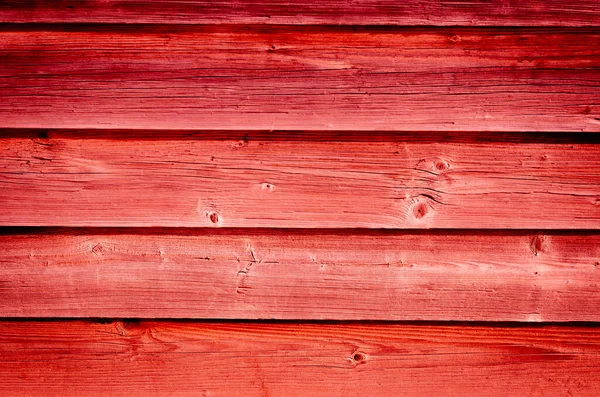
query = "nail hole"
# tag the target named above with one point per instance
(358, 357)
(214, 217)
(441, 165)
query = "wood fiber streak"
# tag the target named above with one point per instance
(219, 359)
(247, 183)
(300, 78)
(301, 275)
(330, 12)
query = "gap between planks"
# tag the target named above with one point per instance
(126, 135)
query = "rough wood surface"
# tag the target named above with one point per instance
(300, 78)
(330, 12)
(60, 181)
(259, 149)
(220, 359)
(182, 273)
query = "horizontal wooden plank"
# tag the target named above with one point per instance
(261, 274)
(300, 78)
(224, 359)
(70, 181)
(334, 12)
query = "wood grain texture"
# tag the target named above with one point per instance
(182, 273)
(329, 12)
(59, 181)
(300, 78)
(220, 359)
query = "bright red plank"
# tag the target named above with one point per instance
(183, 273)
(329, 12)
(70, 181)
(300, 78)
(220, 359)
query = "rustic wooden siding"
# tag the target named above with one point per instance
(262, 183)
(302, 12)
(224, 359)
(287, 198)
(300, 78)
(303, 274)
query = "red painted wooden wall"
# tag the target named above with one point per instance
(291, 198)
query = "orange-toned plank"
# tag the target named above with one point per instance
(220, 359)
(330, 12)
(70, 181)
(181, 273)
(300, 78)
